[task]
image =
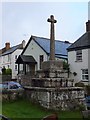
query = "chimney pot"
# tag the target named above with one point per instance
(88, 26)
(7, 45)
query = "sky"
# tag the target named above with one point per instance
(20, 20)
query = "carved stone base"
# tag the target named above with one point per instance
(52, 65)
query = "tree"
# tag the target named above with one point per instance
(9, 71)
(65, 65)
(3, 70)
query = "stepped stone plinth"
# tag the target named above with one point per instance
(52, 65)
(51, 87)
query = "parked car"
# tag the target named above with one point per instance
(10, 85)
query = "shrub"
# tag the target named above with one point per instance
(79, 84)
(65, 65)
(3, 71)
(9, 71)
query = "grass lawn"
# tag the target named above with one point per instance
(26, 109)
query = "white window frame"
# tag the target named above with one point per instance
(16, 57)
(79, 55)
(16, 68)
(84, 73)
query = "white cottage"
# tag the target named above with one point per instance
(79, 57)
(36, 51)
(8, 57)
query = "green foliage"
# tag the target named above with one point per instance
(65, 65)
(26, 109)
(79, 84)
(3, 71)
(9, 71)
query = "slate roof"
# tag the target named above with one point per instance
(25, 59)
(44, 43)
(82, 43)
(11, 50)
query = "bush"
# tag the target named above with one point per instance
(65, 65)
(8, 71)
(3, 71)
(79, 84)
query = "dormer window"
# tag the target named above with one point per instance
(79, 55)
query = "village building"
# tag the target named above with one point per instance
(8, 57)
(79, 57)
(37, 51)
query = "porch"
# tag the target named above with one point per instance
(26, 68)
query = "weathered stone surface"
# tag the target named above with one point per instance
(52, 65)
(57, 98)
(10, 95)
(52, 82)
(52, 37)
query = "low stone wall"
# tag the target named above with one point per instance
(9, 95)
(4, 78)
(58, 99)
(24, 80)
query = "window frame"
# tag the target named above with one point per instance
(16, 57)
(41, 59)
(79, 55)
(84, 73)
(16, 67)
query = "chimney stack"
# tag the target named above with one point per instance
(7, 45)
(88, 26)
(23, 43)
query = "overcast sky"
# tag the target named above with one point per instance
(20, 20)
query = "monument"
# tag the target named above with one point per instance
(52, 66)
(51, 87)
(52, 38)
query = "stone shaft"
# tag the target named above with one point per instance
(52, 37)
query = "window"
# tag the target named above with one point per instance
(85, 74)
(15, 57)
(9, 58)
(79, 55)
(15, 67)
(41, 60)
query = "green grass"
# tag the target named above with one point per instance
(26, 109)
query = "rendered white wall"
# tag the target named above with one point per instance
(4, 62)
(15, 72)
(34, 50)
(89, 64)
(76, 66)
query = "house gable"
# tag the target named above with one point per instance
(82, 43)
(44, 44)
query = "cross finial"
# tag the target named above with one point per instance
(51, 19)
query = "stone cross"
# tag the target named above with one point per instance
(52, 38)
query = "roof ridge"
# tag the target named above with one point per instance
(40, 37)
(81, 42)
(49, 39)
